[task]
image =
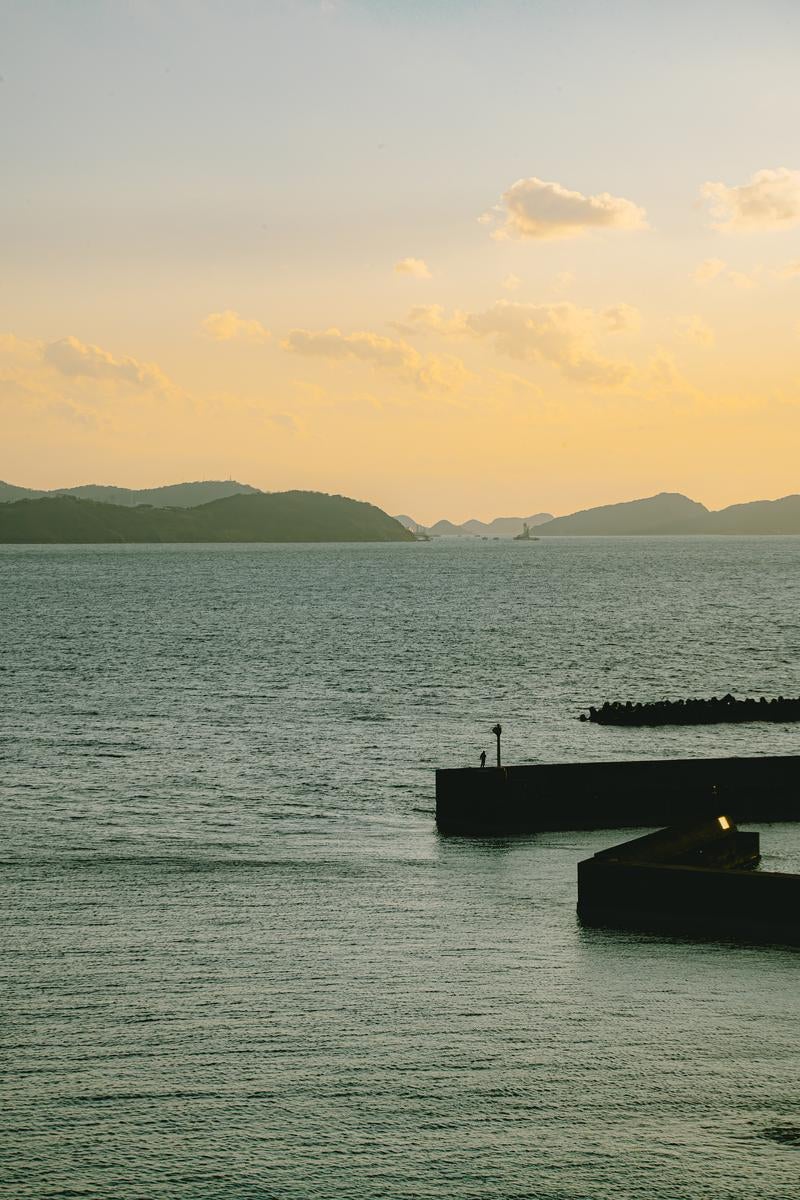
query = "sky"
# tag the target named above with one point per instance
(458, 258)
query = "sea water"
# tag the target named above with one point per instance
(238, 963)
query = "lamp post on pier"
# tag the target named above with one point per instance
(497, 730)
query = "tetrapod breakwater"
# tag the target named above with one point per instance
(694, 711)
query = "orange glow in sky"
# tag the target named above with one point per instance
(463, 260)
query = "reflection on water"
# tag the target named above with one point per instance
(239, 962)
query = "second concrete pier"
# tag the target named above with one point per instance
(690, 880)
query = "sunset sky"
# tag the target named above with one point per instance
(457, 258)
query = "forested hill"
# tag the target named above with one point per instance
(174, 495)
(263, 517)
(672, 513)
(668, 512)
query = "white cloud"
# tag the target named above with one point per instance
(228, 326)
(16, 350)
(695, 330)
(310, 392)
(621, 318)
(427, 373)
(512, 283)
(413, 266)
(285, 421)
(431, 318)
(716, 268)
(739, 279)
(441, 373)
(73, 382)
(516, 384)
(708, 269)
(769, 200)
(74, 358)
(789, 270)
(24, 380)
(560, 334)
(535, 208)
(662, 373)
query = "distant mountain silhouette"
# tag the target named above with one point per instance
(174, 495)
(408, 522)
(666, 513)
(506, 527)
(9, 492)
(447, 529)
(759, 516)
(262, 517)
(669, 512)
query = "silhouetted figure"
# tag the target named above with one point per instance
(483, 758)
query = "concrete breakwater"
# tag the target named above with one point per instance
(726, 709)
(471, 801)
(695, 879)
(714, 842)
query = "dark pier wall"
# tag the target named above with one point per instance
(615, 795)
(680, 899)
(709, 843)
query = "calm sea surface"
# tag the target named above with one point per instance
(238, 963)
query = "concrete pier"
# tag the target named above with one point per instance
(715, 842)
(690, 881)
(613, 795)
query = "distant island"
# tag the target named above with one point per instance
(228, 511)
(503, 527)
(173, 495)
(672, 513)
(258, 517)
(666, 513)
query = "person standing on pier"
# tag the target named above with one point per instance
(483, 758)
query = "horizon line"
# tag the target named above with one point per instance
(406, 513)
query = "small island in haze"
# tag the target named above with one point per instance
(500, 527)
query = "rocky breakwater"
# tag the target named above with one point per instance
(694, 711)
